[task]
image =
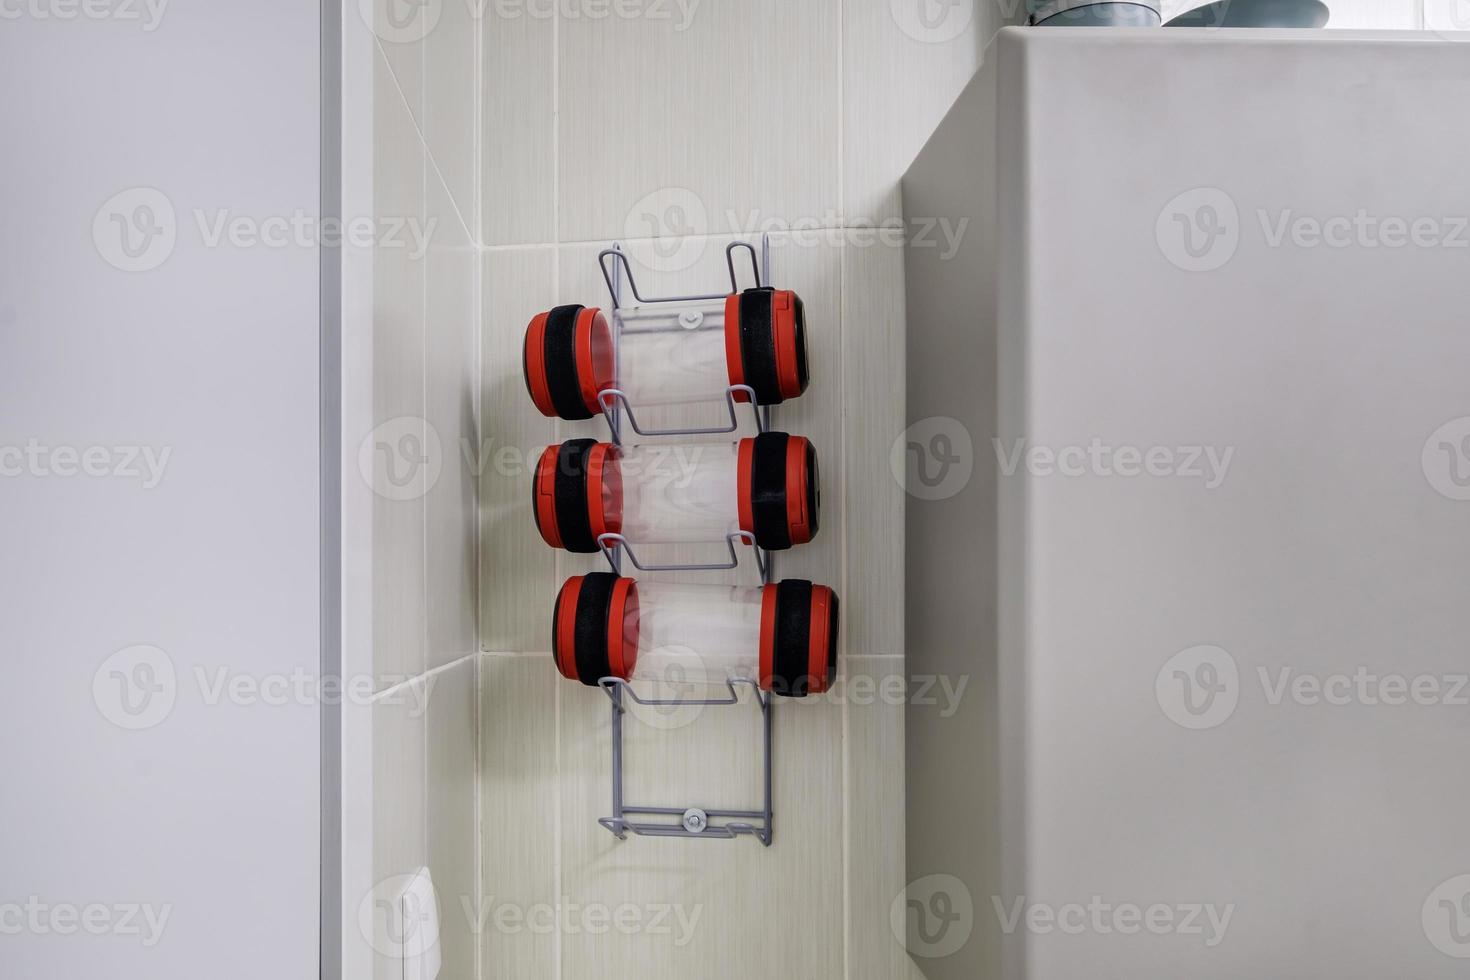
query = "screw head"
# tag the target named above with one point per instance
(691, 319)
(695, 820)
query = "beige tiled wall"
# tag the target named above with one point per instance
(755, 115)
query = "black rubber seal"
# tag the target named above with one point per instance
(570, 489)
(536, 493)
(557, 652)
(792, 653)
(594, 603)
(799, 313)
(768, 491)
(813, 491)
(832, 641)
(758, 344)
(561, 364)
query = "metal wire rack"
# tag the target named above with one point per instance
(617, 272)
(689, 821)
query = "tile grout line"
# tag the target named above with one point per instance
(424, 349)
(480, 867)
(402, 685)
(477, 375)
(428, 157)
(557, 870)
(887, 225)
(556, 831)
(556, 135)
(843, 449)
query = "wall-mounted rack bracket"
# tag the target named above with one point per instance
(615, 545)
(690, 822)
(615, 405)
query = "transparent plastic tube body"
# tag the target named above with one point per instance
(677, 494)
(698, 634)
(673, 357)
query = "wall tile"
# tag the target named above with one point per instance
(698, 110)
(519, 792)
(738, 910)
(399, 807)
(1377, 15)
(450, 106)
(386, 453)
(1447, 16)
(517, 569)
(400, 29)
(452, 269)
(904, 63)
(873, 378)
(518, 120)
(452, 830)
(875, 806)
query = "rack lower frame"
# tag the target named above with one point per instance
(693, 822)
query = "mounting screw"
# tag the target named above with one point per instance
(691, 319)
(695, 820)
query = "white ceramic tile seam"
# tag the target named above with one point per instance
(519, 247)
(556, 172)
(556, 852)
(479, 815)
(841, 113)
(420, 679)
(477, 387)
(847, 789)
(423, 414)
(843, 564)
(477, 191)
(714, 238)
(841, 133)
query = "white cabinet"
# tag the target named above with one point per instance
(1190, 508)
